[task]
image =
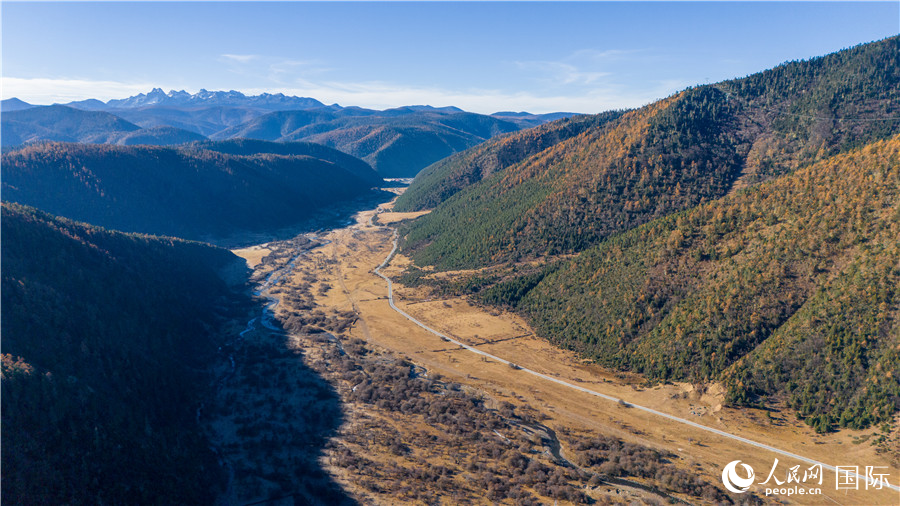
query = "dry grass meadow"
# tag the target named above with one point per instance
(338, 281)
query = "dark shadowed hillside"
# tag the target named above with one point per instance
(250, 147)
(119, 351)
(191, 193)
(105, 340)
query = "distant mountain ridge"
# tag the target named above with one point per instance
(532, 120)
(14, 104)
(397, 142)
(67, 124)
(205, 121)
(203, 98)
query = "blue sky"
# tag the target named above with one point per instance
(484, 57)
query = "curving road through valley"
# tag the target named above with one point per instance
(523, 369)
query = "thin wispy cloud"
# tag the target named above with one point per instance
(559, 73)
(273, 70)
(283, 70)
(49, 91)
(584, 67)
(239, 58)
(604, 55)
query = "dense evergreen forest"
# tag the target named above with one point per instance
(106, 337)
(202, 191)
(251, 147)
(744, 232)
(791, 288)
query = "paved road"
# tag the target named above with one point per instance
(592, 392)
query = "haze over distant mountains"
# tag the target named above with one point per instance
(396, 142)
(67, 124)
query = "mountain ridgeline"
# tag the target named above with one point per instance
(207, 190)
(106, 341)
(743, 232)
(441, 180)
(579, 191)
(396, 142)
(66, 124)
(671, 155)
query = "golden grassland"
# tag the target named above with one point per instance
(253, 254)
(347, 283)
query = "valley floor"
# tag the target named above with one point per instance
(398, 450)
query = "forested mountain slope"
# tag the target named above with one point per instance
(788, 289)
(204, 121)
(745, 232)
(105, 336)
(695, 146)
(802, 111)
(61, 123)
(441, 180)
(579, 191)
(251, 147)
(396, 142)
(187, 192)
